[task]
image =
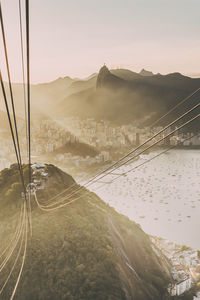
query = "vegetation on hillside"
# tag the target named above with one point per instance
(77, 148)
(84, 251)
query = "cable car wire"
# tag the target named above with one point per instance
(23, 73)
(28, 87)
(11, 251)
(14, 236)
(15, 262)
(16, 144)
(18, 253)
(23, 258)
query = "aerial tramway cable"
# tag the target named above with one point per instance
(28, 87)
(22, 233)
(28, 145)
(23, 257)
(15, 137)
(16, 145)
(8, 251)
(15, 262)
(14, 236)
(11, 250)
(23, 73)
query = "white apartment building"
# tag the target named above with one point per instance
(181, 286)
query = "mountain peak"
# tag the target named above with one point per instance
(104, 70)
(103, 73)
(144, 72)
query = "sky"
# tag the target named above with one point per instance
(75, 38)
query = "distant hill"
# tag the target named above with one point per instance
(4, 125)
(44, 96)
(84, 251)
(125, 74)
(49, 92)
(81, 85)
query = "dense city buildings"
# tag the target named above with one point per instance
(111, 141)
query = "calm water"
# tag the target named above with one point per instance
(163, 196)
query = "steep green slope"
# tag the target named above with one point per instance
(84, 251)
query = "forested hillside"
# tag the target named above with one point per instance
(84, 251)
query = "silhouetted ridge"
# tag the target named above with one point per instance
(122, 96)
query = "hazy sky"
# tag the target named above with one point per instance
(76, 37)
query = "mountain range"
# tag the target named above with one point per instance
(122, 96)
